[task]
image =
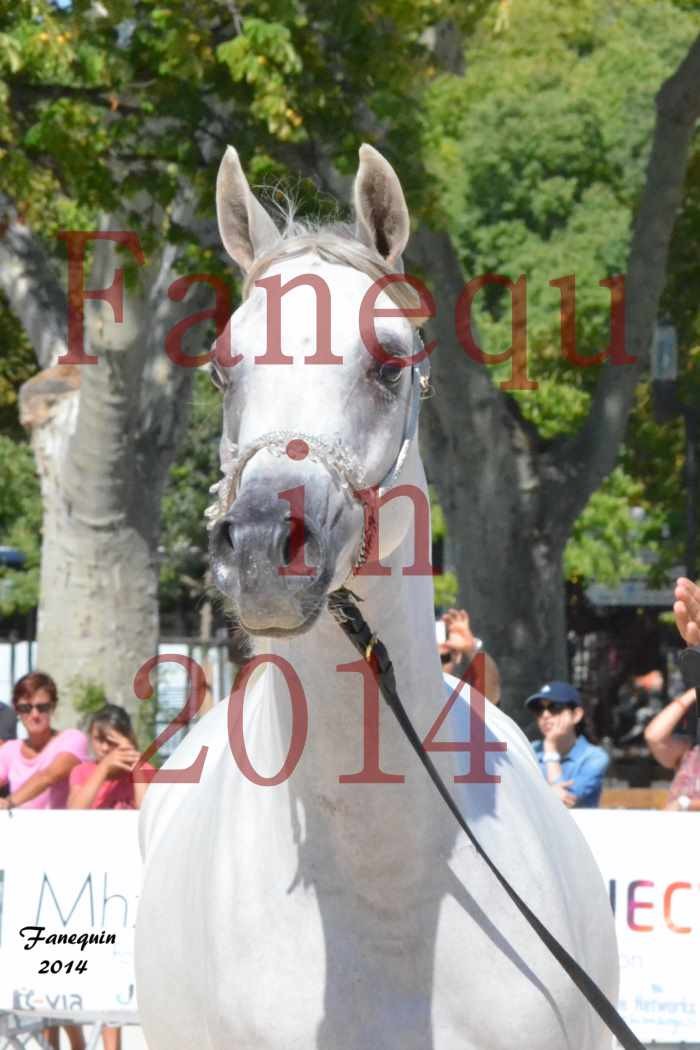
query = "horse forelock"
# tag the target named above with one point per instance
(335, 244)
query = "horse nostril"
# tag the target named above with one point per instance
(231, 536)
(287, 550)
(295, 541)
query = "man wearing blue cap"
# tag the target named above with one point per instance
(572, 766)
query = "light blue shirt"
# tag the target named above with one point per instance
(585, 765)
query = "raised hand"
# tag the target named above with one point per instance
(123, 756)
(459, 636)
(686, 609)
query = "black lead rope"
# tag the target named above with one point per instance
(374, 652)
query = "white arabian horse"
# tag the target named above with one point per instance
(341, 915)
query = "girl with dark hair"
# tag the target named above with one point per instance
(37, 769)
(107, 783)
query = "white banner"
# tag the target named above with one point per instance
(651, 865)
(69, 884)
(70, 875)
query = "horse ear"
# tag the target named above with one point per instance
(380, 206)
(244, 226)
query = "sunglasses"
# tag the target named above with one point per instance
(554, 709)
(24, 709)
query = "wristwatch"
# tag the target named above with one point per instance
(683, 802)
(554, 756)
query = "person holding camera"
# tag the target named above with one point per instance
(462, 654)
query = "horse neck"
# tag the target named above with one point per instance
(399, 610)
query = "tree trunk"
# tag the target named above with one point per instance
(98, 610)
(104, 436)
(507, 556)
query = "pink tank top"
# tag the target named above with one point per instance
(16, 768)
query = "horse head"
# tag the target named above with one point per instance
(320, 387)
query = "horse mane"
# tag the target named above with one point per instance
(334, 242)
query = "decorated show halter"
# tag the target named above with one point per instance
(342, 605)
(329, 451)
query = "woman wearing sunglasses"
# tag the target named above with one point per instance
(37, 769)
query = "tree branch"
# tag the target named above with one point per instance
(33, 292)
(23, 93)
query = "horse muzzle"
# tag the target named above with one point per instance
(274, 555)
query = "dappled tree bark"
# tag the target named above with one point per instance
(104, 436)
(491, 471)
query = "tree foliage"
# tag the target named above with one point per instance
(99, 103)
(540, 152)
(124, 108)
(17, 364)
(533, 158)
(20, 501)
(20, 525)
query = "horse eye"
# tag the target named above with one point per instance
(390, 372)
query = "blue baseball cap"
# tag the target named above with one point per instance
(561, 693)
